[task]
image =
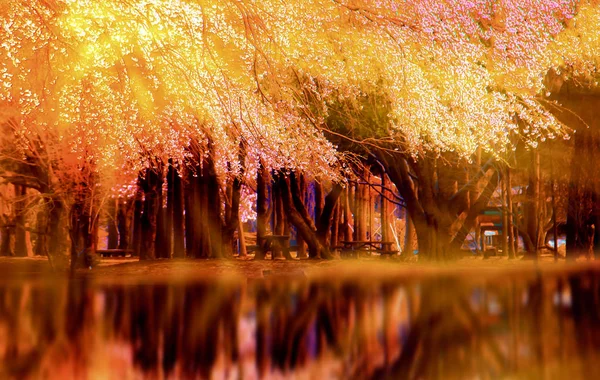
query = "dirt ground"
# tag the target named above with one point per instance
(131, 269)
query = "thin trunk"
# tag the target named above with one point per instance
(370, 210)
(213, 199)
(408, 234)
(574, 204)
(262, 210)
(287, 230)
(302, 254)
(113, 233)
(232, 221)
(138, 207)
(56, 231)
(202, 196)
(83, 233)
(364, 209)
(532, 208)
(504, 217)
(162, 247)
(357, 212)
(7, 232)
(124, 222)
(151, 207)
(75, 235)
(170, 210)
(554, 224)
(242, 238)
(324, 224)
(178, 216)
(190, 210)
(335, 226)
(41, 242)
(19, 220)
(352, 211)
(595, 220)
(385, 224)
(509, 223)
(278, 218)
(319, 199)
(347, 230)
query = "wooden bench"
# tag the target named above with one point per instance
(353, 248)
(251, 248)
(275, 242)
(114, 252)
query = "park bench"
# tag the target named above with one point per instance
(274, 242)
(353, 248)
(114, 252)
(277, 241)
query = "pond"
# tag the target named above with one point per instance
(525, 325)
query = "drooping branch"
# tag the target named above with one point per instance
(299, 218)
(298, 202)
(476, 208)
(456, 206)
(325, 220)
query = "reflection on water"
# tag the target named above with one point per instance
(542, 327)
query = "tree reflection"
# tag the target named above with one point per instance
(444, 327)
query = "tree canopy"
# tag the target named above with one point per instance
(113, 85)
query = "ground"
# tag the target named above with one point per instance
(132, 269)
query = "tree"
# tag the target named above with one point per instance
(98, 94)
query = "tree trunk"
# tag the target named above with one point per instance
(302, 254)
(190, 213)
(278, 218)
(363, 216)
(124, 222)
(178, 217)
(82, 232)
(5, 246)
(347, 230)
(357, 215)
(19, 221)
(370, 210)
(504, 197)
(41, 227)
(532, 208)
(319, 199)
(56, 232)
(262, 211)
(299, 218)
(138, 207)
(162, 246)
(441, 223)
(574, 243)
(213, 202)
(199, 215)
(509, 223)
(408, 235)
(242, 238)
(335, 226)
(113, 234)
(384, 219)
(282, 226)
(232, 220)
(151, 207)
(555, 225)
(287, 231)
(170, 209)
(325, 223)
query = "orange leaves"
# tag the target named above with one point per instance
(121, 80)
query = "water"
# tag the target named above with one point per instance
(525, 325)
